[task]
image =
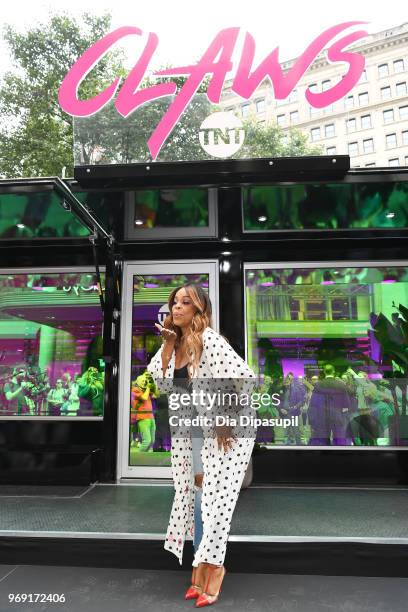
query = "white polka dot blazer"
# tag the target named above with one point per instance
(223, 471)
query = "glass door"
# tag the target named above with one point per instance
(144, 434)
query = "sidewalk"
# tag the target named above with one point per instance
(114, 590)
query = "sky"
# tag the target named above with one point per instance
(185, 28)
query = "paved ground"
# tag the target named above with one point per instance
(118, 590)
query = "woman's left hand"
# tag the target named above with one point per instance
(225, 437)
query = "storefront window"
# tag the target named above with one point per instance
(37, 214)
(325, 206)
(51, 361)
(332, 343)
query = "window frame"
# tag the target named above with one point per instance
(367, 127)
(363, 93)
(274, 265)
(386, 140)
(388, 89)
(315, 129)
(365, 140)
(399, 61)
(391, 112)
(404, 83)
(172, 232)
(50, 270)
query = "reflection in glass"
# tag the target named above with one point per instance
(333, 343)
(171, 208)
(50, 345)
(150, 438)
(37, 214)
(325, 206)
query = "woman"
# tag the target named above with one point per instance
(194, 351)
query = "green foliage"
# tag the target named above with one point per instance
(36, 136)
(268, 140)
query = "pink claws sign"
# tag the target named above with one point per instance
(216, 62)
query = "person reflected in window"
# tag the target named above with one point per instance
(144, 391)
(56, 398)
(14, 393)
(293, 399)
(329, 410)
(90, 390)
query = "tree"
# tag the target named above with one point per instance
(268, 140)
(36, 136)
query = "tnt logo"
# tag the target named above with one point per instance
(162, 314)
(221, 134)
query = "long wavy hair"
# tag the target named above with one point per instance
(202, 318)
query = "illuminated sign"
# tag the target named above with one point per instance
(217, 63)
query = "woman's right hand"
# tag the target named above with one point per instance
(168, 335)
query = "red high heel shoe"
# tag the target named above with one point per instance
(195, 590)
(206, 599)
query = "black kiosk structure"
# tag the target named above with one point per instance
(305, 261)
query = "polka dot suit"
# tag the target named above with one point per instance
(223, 471)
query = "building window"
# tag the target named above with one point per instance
(314, 111)
(405, 137)
(368, 145)
(388, 115)
(399, 65)
(313, 88)
(331, 151)
(394, 161)
(351, 125)
(281, 119)
(385, 93)
(353, 148)
(349, 102)
(363, 98)
(391, 141)
(329, 130)
(260, 106)
(401, 89)
(363, 77)
(245, 110)
(326, 85)
(365, 122)
(294, 116)
(383, 70)
(293, 96)
(403, 112)
(315, 133)
(406, 160)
